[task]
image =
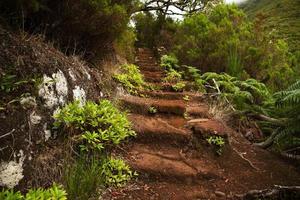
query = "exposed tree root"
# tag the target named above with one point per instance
(278, 192)
(268, 142)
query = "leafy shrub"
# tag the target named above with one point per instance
(172, 76)
(154, 31)
(116, 172)
(55, 192)
(152, 110)
(193, 74)
(288, 106)
(131, 78)
(244, 94)
(218, 142)
(178, 87)
(124, 44)
(100, 124)
(169, 62)
(83, 25)
(224, 40)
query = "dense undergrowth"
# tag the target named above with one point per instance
(131, 79)
(100, 127)
(277, 112)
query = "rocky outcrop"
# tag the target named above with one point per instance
(44, 80)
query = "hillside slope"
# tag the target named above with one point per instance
(281, 15)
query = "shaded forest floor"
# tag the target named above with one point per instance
(172, 155)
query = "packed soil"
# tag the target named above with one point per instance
(173, 158)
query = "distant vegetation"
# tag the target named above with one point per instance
(280, 16)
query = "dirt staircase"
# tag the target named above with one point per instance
(172, 157)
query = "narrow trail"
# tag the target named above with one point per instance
(173, 159)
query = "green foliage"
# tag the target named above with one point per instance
(131, 78)
(186, 98)
(169, 62)
(11, 195)
(178, 87)
(173, 76)
(100, 124)
(9, 83)
(288, 101)
(218, 142)
(281, 17)
(78, 25)
(154, 31)
(56, 192)
(193, 74)
(116, 172)
(152, 110)
(224, 40)
(244, 94)
(83, 177)
(124, 44)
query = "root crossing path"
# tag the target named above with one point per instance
(173, 158)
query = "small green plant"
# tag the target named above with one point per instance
(186, 97)
(186, 115)
(83, 177)
(9, 83)
(131, 78)
(152, 110)
(218, 142)
(172, 76)
(169, 62)
(178, 87)
(116, 172)
(56, 192)
(100, 124)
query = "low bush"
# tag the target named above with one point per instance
(218, 142)
(116, 172)
(173, 76)
(245, 95)
(224, 40)
(100, 124)
(169, 62)
(131, 78)
(55, 192)
(179, 87)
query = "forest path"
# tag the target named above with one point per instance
(173, 158)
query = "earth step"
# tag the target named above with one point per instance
(165, 87)
(175, 95)
(169, 163)
(142, 105)
(155, 128)
(200, 110)
(151, 68)
(153, 76)
(207, 127)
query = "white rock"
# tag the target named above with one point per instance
(72, 75)
(54, 90)
(28, 102)
(47, 92)
(61, 86)
(34, 118)
(11, 173)
(79, 94)
(47, 133)
(86, 73)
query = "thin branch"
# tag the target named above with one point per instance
(242, 156)
(7, 134)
